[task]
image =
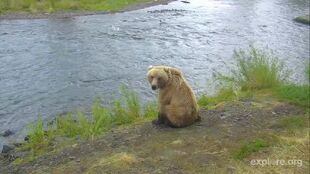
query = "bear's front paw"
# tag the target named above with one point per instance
(157, 122)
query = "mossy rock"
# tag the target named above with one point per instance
(303, 19)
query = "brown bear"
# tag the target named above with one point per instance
(177, 102)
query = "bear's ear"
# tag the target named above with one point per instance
(150, 67)
(173, 71)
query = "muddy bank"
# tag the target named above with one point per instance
(69, 14)
(204, 147)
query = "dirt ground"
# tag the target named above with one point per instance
(205, 147)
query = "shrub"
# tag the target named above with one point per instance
(100, 120)
(37, 137)
(132, 102)
(256, 70)
(119, 114)
(67, 125)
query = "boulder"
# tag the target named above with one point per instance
(186, 2)
(27, 137)
(303, 19)
(7, 133)
(7, 149)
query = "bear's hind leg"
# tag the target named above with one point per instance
(178, 116)
(160, 119)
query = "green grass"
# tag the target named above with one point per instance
(132, 101)
(293, 122)
(299, 95)
(250, 147)
(224, 94)
(35, 6)
(150, 110)
(256, 70)
(37, 137)
(308, 72)
(77, 125)
(120, 114)
(101, 119)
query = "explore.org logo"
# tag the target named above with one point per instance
(276, 162)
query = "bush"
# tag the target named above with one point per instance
(38, 139)
(132, 102)
(119, 114)
(256, 70)
(67, 125)
(101, 120)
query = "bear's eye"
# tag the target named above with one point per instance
(152, 77)
(159, 78)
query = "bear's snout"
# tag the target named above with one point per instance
(154, 87)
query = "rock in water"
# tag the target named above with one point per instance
(7, 148)
(186, 2)
(17, 144)
(303, 19)
(7, 133)
(27, 137)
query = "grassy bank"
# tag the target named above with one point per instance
(288, 143)
(228, 138)
(261, 77)
(78, 126)
(258, 72)
(39, 6)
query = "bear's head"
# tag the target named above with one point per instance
(160, 76)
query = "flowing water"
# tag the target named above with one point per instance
(50, 66)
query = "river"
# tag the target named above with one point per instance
(50, 66)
